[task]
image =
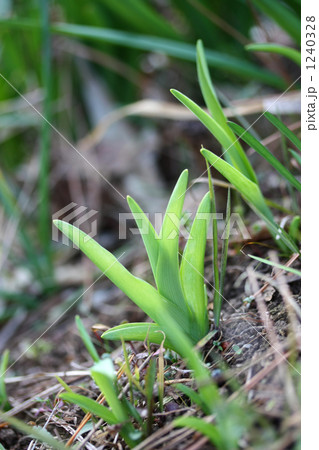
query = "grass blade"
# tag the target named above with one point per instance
(233, 147)
(290, 53)
(283, 129)
(89, 405)
(274, 264)
(252, 194)
(149, 235)
(169, 47)
(266, 154)
(245, 186)
(86, 339)
(167, 271)
(207, 87)
(192, 265)
(104, 375)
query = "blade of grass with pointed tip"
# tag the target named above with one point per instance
(230, 145)
(274, 264)
(86, 339)
(215, 109)
(148, 234)
(89, 405)
(266, 154)
(252, 194)
(139, 291)
(192, 266)
(136, 332)
(245, 186)
(167, 271)
(290, 53)
(283, 129)
(64, 385)
(207, 87)
(103, 373)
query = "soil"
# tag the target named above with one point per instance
(239, 351)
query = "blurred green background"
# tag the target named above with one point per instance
(69, 69)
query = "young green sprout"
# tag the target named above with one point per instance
(180, 289)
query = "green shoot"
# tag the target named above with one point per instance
(86, 339)
(252, 195)
(274, 264)
(283, 129)
(180, 289)
(269, 47)
(266, 154)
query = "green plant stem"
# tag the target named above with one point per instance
(44, 198)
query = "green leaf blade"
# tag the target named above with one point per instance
(274, 264)
(90, 405)
(192, 265)
(86, 339)
(167, 271)
(227, 141)
(104, 375)
(290, 53)
(148, 234)
(266, 154)
(207, 87)
(252, 194)
(283, 129)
